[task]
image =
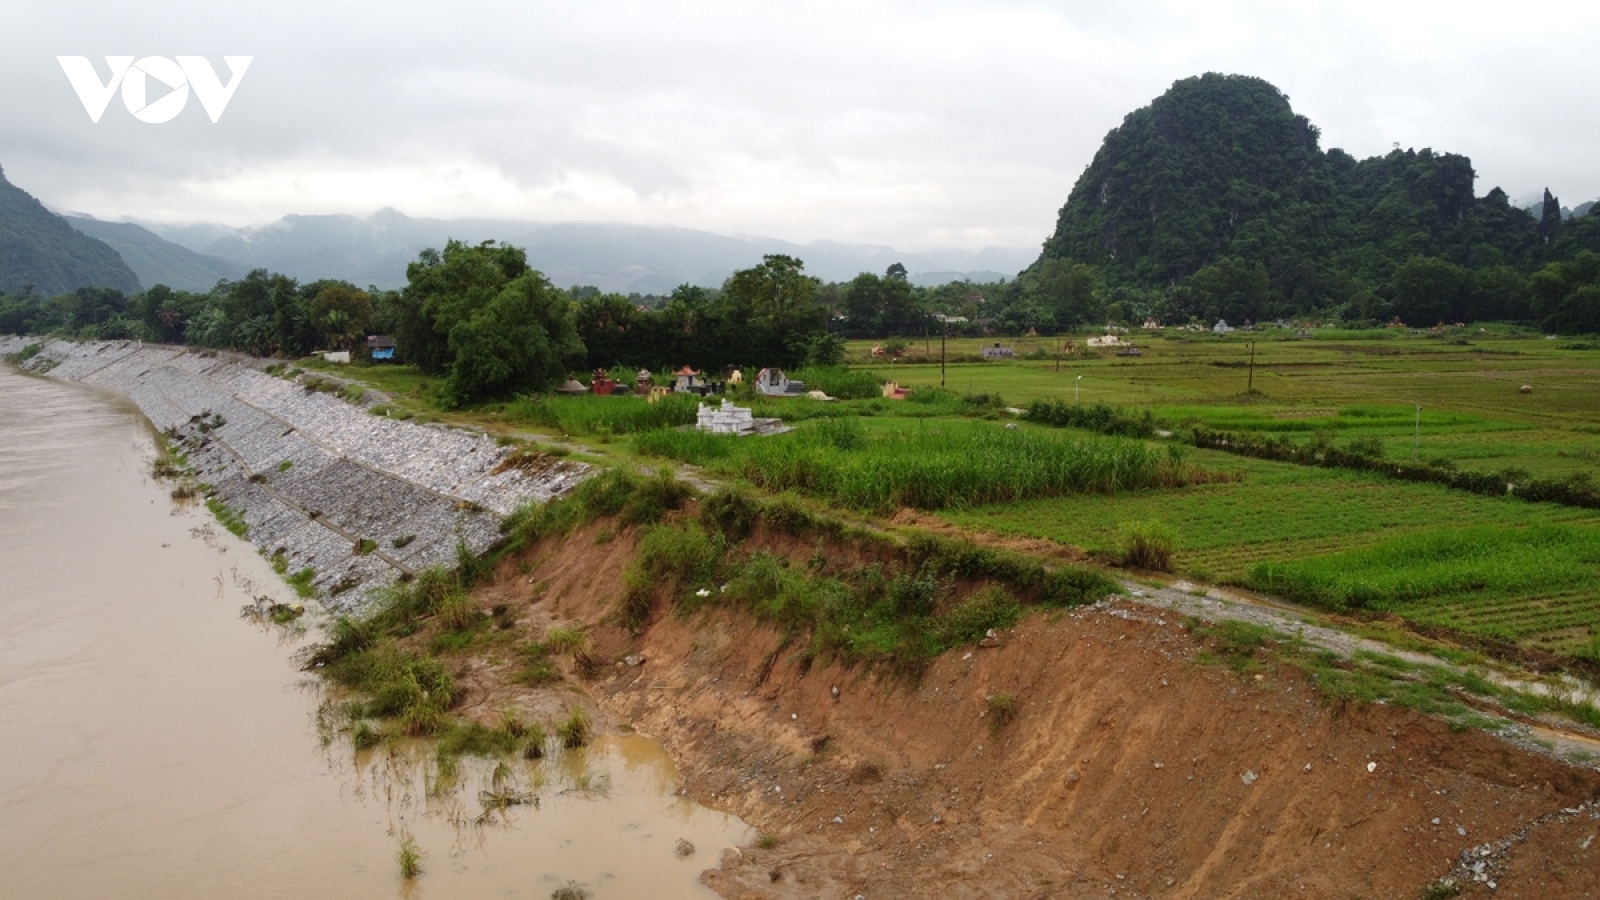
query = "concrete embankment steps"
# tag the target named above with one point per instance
(310, 474)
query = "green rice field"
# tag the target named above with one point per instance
(1513, 583)
(1351, 384)
(1320, 526)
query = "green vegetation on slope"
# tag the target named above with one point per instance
(156, 261)
(39, 249)
(899, 611)
(1215, 201)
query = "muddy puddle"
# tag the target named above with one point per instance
(155, 745)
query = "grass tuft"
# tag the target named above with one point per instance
(228, 517)
(1002, 710)
(566, 640)
(537, 667)
(1148, 545)
(533, 741)
(574, 730)
(409, 858)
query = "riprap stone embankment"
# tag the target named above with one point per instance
(311, 475)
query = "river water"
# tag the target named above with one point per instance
(154, 744)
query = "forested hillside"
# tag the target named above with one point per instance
(39, 248)
(1217, 201)
(156, 261)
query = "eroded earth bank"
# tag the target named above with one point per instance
(1129, 767)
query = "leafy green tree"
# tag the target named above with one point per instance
(1580, 313)
(17, 314)
(445, 288)
(825, 349)
(264, 313)
(876, 306)
(1231, 289)
(778, 289)
(341, 313)
(480, 315)
(1429, 290)
(1068, 292)
(87, 308)
(772, 309)
(1026, 314)
(1566, 295)
(523, 339)
(614, 331)
(1367, 306)
(1499, 293)
(166, 312)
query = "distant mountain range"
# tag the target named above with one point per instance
(1533, 204)
(38, 248)
(60, 253)
(374, 250)
(158, 261)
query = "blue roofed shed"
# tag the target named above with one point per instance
(380, 346)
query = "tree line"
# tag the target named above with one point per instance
(480, 317)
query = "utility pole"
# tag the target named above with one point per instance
(1416, 448)
(943, 334)
(1251, 384)
(1075, 385)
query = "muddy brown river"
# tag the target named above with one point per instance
(154, 744)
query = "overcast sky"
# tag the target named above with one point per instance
(919, 125)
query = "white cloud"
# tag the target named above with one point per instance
(911, 124)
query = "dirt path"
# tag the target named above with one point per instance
(1558, 737)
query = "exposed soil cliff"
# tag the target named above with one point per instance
(1125, 765)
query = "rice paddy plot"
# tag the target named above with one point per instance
(1560, 621)
(1276, 511)
(1468, 441)
(1509, 582)
(1357, 385)
(1542, 452)
(1021, 383)
(1465, 372)
(1350, 421)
